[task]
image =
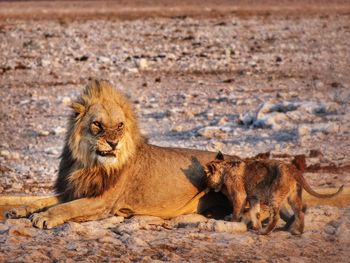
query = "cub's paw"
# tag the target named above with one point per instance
(45, 221)
(18, 212)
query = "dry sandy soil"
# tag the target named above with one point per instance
(243, 77)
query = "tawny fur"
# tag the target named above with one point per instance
(258, 181)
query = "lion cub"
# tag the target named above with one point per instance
(261, 181)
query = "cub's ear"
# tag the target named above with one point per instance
(78, 108)
(219, 156)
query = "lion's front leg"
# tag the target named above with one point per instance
(78, 210)
(36, 206)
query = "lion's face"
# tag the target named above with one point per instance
(102, 133)
(103, 129)
(214, 172)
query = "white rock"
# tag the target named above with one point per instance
(210, 131)
(142, 64)
(44, 133)
(215, 146)
(66, 101)
(5, 153)
(59, 130)
(190, 220)
(223, 226)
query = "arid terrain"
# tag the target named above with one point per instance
(243, 77)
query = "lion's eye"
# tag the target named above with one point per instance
(96, 127)
(97, 124)
(120, 125)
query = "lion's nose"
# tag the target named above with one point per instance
(113, 144)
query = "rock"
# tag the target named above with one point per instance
(89, 229)
(43, 133)
(22, 221)
(66, 101)
(178, 128)
(142, 64)
(146, 220)
(110, 240)
(103, 60)
(210, 132)
(5, 153)
(190, 220)
(59, 130)
(304, 130)
(215, 146)
(20, 230)
(52, 151)
(104, 223)
(223, 226)
(3, 228)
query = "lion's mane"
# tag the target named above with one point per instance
(80, 175)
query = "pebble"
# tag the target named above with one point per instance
(142, 64)
(3, 228)
(223, 226)
(22, 231)
(59, 130)
(44, 133)
(10, 155)
(210, 132)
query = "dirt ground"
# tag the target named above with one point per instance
(243, 77)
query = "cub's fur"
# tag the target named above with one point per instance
(262, 181)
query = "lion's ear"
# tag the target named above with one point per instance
(219, 156)
(78, 108)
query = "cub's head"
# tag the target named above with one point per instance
(214, 172)
(103, 128)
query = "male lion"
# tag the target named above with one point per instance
(108, 168)
(262, 181)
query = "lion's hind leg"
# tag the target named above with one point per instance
(36, 206)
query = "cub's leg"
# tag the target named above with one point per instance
(78, 210)
(36, 206)
(238, 197)
(254, 213)
(275, 202)
(296, 227)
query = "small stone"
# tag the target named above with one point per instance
(66, 101)
(103, 59)
(190, 220)
(59, 130)
(223, 226)
(304, 130)
(22, 221)
(45, 62)
(142, 64)
(223, 121)
(133, 70)
(21, 231)
(5, 153)
(43, 133)
(3, 228)
(215, 146)
(210, 132)
(52, 151)
(178, 128)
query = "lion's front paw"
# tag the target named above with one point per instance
(17, 212)
(45, 221)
